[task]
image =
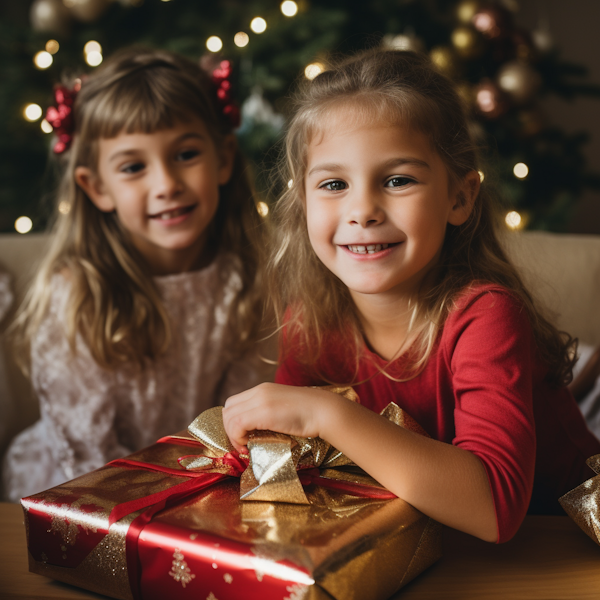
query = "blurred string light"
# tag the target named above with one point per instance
(514, 220)
(289, 8)
(313, 70)
(46, 127)
(258, 25)
(52, 46)
(214, 43)
(521, 170)
(64, 207)
(290, 184)
(43, 59)
(481, 176)
(23, 224)
(262, 208)
(241, 39)
(32, 112)
(93, 53)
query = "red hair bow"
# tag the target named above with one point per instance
(221, 78)
(61, 117)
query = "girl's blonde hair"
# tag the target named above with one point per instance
(396, 86)
(114, 304)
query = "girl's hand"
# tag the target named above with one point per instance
(283, 408)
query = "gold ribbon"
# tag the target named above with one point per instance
(275, 458)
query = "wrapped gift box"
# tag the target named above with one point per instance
(146, 528)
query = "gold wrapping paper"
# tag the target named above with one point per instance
(582, 504)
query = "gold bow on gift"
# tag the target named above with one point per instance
(271, 470)
(582, 504)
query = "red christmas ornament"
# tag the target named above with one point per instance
(490, 101)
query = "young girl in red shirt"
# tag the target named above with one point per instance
(390, 278)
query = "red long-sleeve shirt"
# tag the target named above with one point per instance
(484, 390)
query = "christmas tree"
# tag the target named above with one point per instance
(501, 70)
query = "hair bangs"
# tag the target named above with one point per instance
(143, 104)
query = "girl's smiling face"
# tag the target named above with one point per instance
(164, 188)
(378, 201)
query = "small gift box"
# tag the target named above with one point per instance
(582, 503)
(188, 517)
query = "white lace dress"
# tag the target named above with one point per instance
(90, 415)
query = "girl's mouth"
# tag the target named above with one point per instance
(173, 214)
(368, 248)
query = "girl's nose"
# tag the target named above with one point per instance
(365, 210)
(167, 183)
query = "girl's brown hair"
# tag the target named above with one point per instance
(114, 304)
(396, 86)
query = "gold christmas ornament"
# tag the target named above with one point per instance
(466, 10)
(467, 42)
(493, 22)
(86, 10)
(49, 15)
(490, 100)
(519, 80)
(446, 60)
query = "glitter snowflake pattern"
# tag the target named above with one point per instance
(211, 596)
(297, 592)
(180, 571)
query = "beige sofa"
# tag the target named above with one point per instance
(563, 271)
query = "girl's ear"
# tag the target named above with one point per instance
(227, 158)
(90, 183)
(465, 197)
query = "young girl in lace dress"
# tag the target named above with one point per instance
(401, 289)
(146, 308)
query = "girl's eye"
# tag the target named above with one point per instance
(398, 181)
(334, 186)
(187, 154)
(132, 168)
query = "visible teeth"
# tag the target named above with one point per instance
(171, 214)
(370, 249)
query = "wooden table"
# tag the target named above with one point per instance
(550, 558)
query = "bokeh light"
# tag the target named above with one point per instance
(92, 46)
(313, 70)
(46, 127)
(521, 170)
(23, 224)
(241, 39)
(289, 8)
(43, 59)
(258, 25)
(481, 176)
(64, 207)
(32, 112)
(262, 208)
(514, 220)
(52, 46)
(290, 184)
(93, 58)
(214, 43)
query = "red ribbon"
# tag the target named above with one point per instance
(196, 482)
